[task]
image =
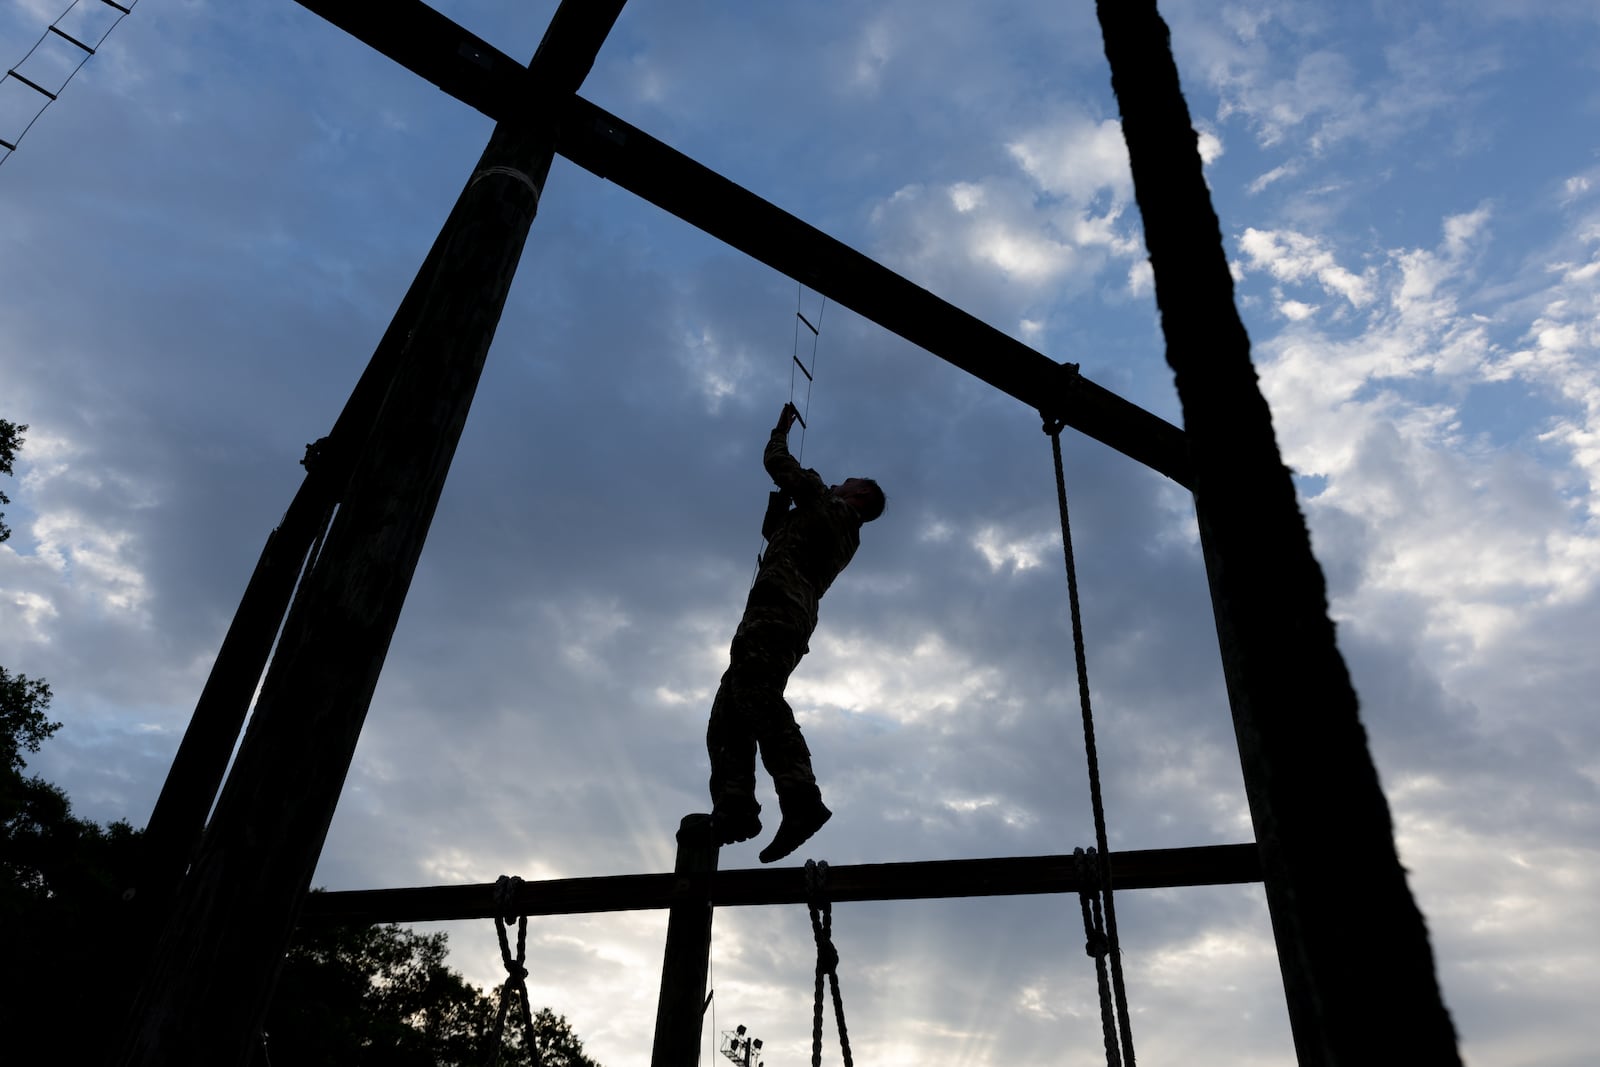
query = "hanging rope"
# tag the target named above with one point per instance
(827, 962)
(1053, 427)
(1095, 945)
(516, 984)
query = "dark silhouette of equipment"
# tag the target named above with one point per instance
(740, 1047)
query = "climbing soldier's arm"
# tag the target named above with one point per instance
(806, 486)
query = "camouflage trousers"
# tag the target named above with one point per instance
(750, 714)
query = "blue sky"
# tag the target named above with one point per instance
(206, 235)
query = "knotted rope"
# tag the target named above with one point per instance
(516, 983)
(827, 962)
(1096, 946)
(1053, 427)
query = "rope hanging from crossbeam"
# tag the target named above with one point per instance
(827, 962)
(516, 983)
(1053, 427)
(1096, 945)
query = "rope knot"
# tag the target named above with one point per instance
(1096, 945)
(506, 888)
(816, 879)
(827, 963)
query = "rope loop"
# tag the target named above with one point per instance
(1102, 881)
(506, 888)
(515, 988)
(827, 962)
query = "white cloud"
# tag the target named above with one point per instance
(1003, 550)
(1141, 278)
(1472, 533)
(1058, 218)
(1294, 310)
(1076, 158)
(1294, 257)
(1276, 174)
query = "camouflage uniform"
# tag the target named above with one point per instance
(806, 550)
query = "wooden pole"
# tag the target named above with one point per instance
(172, 835)
(206, 991)
(686, 961)
(1357, 966)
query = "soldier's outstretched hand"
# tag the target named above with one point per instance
(787, 416)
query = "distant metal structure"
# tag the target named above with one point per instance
(219, 900)
(741, 1047)
(55, 58)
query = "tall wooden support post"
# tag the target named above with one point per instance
(1357, 966)
(681, 1007)
(173, 833)
(205, 993)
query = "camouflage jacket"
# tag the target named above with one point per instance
(810, 545)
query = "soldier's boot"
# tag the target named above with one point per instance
(735, 818)
(803, 815)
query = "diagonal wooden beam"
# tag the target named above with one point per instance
(203, 991)
(937, 879)
(610, 148)
(473, 71)
(428, 44)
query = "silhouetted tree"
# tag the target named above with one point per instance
(372, 996)
(23, 725)
(558, 1046)
(10, 444)
(60, 884)
(381, 996)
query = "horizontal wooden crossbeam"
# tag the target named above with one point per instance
(610, 148)
(475, 72)
(936, 879)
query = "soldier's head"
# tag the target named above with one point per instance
(862, 494)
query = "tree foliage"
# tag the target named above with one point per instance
(10, 445)
(374, 996)
(61, 880)
(23, 725)
(381, 996)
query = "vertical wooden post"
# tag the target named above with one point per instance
(1357, 966)
(206, 990)
(172, 835)
(681, 1006)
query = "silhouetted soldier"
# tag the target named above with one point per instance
(807, 546)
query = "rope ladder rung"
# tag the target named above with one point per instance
(803, 370)
(67, 36)
(30, 83)
(802, 318)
